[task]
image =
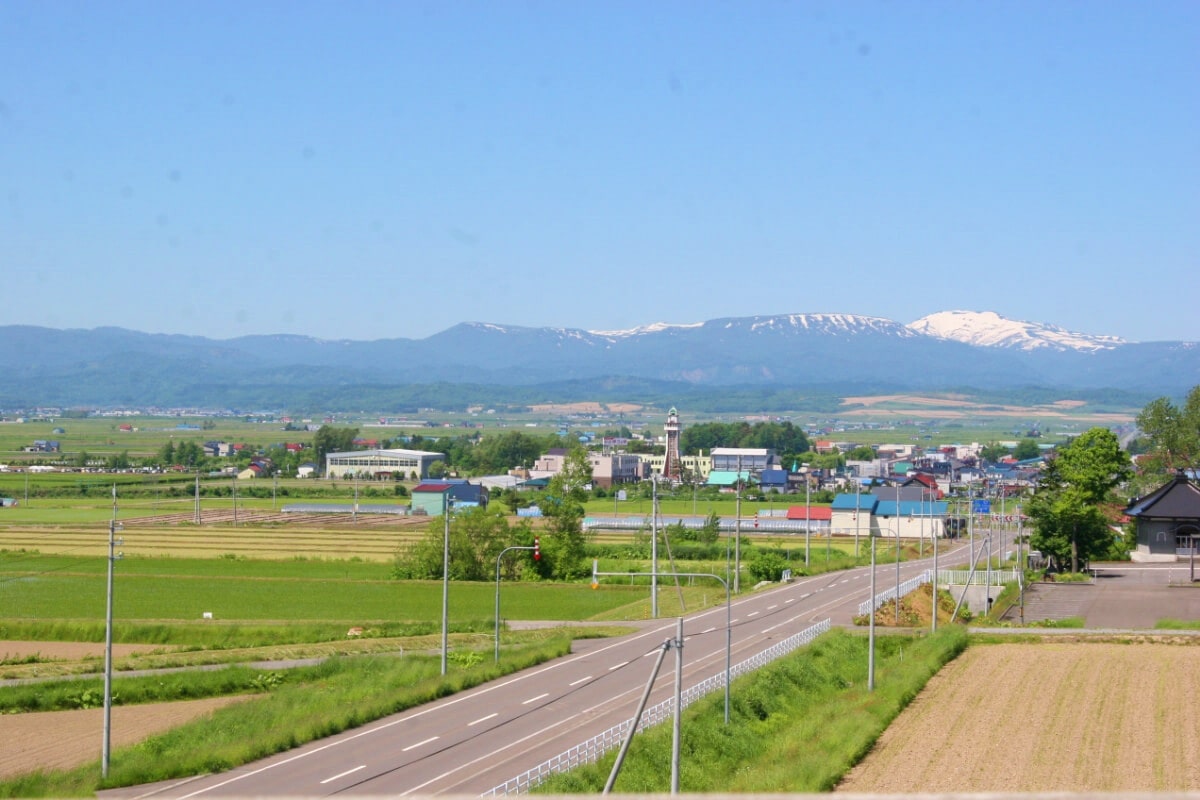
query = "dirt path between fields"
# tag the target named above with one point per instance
(1046, 718)
(66, 739)
(71, 651)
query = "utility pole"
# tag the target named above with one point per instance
(106, 744)
(897, 555)
(654, 546)
(737, 547)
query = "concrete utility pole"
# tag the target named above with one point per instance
(106, 743)
(445, 577)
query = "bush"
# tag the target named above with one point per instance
(767, 566)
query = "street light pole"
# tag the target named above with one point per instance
(807, 514)
(445, 576)
(933, 535)
(857, 511)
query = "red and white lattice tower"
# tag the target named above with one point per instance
(672, 465)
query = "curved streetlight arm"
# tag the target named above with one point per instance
(498, 557)
(596, 573)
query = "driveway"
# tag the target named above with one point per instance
(1123, 596)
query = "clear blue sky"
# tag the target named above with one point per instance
(372, 170)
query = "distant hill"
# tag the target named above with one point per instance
(807, 353)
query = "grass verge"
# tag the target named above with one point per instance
(796, 725)
(337, 695)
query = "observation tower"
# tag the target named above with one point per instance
(672, 465)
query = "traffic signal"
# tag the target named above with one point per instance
(537, 549)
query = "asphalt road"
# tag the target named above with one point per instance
(475, 740)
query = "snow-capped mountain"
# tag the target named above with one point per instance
(989, 329)
(782, 352)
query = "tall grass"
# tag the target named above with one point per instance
(796, 725)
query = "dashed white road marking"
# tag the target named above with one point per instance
(344, 774)
(581, 680)
(483, 719)
(418, 744)
(535, 699)
(617, 666)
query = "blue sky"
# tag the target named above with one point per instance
(373, 170)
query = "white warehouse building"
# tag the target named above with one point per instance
(380, 463)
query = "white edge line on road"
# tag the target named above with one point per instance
(343, 774)
(484, 719)
(418, 744)
(535, 699)
(522, 740)
(581, 680)
(463, 697)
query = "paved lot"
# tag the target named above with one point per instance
(1124, 596)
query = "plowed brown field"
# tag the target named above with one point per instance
(1045, 718)
(65, 739)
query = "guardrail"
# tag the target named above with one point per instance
(910, 585)
(598, 745)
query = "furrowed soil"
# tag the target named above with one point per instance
(64, 739)
(1049, 717)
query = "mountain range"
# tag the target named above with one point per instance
(808, 352)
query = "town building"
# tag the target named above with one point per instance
(373, 464)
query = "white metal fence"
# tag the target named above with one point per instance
(598, 745)
(958, 577)
(910, 585)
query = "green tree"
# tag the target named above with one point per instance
(1069, 524)
(993, 451)
(330, 439)
(563, 546)
(861, 453)
(1026, 449)
(1173, 433)
(477, 535)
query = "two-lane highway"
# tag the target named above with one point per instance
(475, 740)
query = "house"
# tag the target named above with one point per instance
(773, 480)
(820, 518)
(433, 497)
(851, 513)
(1168, 521)
(727, 480)
(306, 470)
(251, 472)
